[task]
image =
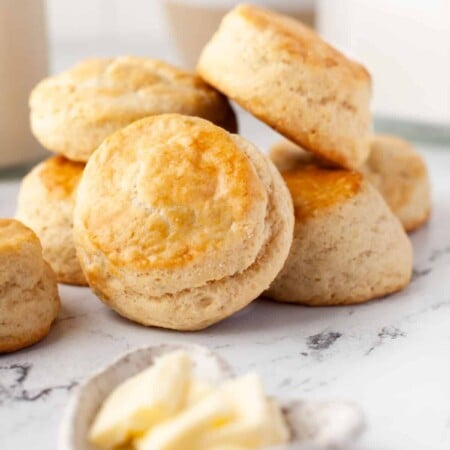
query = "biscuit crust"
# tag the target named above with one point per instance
(394, 167)
(21, 248)
(73, 112)
(348, 249)
(45, 204)
(400, 174)
(314, 189)
(192, 232)
(287, 76)
(29, 300)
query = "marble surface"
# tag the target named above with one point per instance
(391, 356)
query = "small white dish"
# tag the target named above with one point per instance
(316, 425)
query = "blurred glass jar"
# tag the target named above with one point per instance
(192, 22)
(23, 62)
(405, 44)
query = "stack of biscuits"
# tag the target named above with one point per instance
(175, 221)
(73, 112)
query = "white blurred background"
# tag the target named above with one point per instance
(172, 30)
(83, 28)
(404, 43)
(406, 46)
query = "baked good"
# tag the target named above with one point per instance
(45, 204)
(400, 173)
(394, 167)
(179, 224)
(286, 75)
(289, 156)
(348, 246)
(73, 112)
(29, 300)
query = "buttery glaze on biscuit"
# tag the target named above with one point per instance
(192, 195)
(286, 75)
(314, 190)
(29, 300)
(73, 112)
(46, 202)
(198, 223)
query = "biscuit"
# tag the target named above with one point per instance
(400, 174)
(45, 204)
(73, 112)
(289, 156)
(179, 224)
(394, 167)
(348, 247)
(287, 76)
(29, 300)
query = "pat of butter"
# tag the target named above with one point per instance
(166, 408)
(142, 401)
(237, 415)
(198, 390)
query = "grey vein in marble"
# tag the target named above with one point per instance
(13, 379)
(322, 341)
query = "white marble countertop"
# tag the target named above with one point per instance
(391, 356)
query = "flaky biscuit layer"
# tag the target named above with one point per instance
(46, 202)
(179, 240)
(73, 112)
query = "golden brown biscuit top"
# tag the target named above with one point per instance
(128, 73)
(95, 80)
(167, 190)
(299, 40)
(315, 189)
(60, 176)
(14, 234)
